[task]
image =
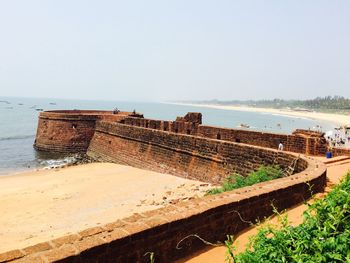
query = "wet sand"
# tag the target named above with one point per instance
(42, 205)
(335, 173)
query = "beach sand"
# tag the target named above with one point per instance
(42, 205)
(336, 119)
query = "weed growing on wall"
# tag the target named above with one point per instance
(235, 181)
(324, 236)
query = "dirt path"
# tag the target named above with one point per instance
(335, 172)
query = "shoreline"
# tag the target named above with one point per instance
(333, 118)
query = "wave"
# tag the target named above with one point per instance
(57, 163)
(17, 137)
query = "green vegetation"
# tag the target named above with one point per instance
(324, 236)
(151, 256)
(235, 181)
(327, 104)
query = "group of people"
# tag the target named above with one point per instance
(340, 137)
(116, 111)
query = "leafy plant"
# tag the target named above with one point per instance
(151, 256)
(324, 236)
(230, 257)
(235, 181)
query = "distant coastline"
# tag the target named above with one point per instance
(334, 118)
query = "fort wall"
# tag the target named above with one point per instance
(183, 155)
(164, 231)
(340, 151)
(183, 148)
(301, 141)
(70, 131)
(179, 126)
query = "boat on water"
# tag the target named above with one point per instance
(243, 125)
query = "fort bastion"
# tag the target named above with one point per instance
(187, 148)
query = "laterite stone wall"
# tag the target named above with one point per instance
(167, 232)
(301, 141)
(185, 149)
(184, 155)
(70, 131)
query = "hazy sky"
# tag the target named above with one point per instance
(170, 50)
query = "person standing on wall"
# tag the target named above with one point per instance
(280, 147)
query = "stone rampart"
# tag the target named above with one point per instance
(70, 131)
(340, 151)
(182, 148)
(301, 141)
(181, 126)
(164, 231)
(181, 154)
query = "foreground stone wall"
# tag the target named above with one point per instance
(181, 154)
(70, 131)
(164, 231)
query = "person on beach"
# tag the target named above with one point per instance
(280, 147)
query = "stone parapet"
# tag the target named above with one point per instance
(170, 232)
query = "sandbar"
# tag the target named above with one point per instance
(42, 205)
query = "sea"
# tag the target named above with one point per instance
(19, 118)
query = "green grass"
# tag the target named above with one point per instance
(324, 235)
(235, 181)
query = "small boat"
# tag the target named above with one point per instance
(39, 109)
(52, 103)
(243, 125)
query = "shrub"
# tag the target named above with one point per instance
(235, 181)
(324, 236)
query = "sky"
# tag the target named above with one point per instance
(174, 49)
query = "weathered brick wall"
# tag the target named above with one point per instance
(210, 217)
(56, 133)
(301, 141)
(179, 154)
(263, 139)
(172, 126)
(69, 131)
(161, 231)
(340, 151)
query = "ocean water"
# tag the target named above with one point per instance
(19, 117)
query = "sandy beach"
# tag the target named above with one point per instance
(336, 119)
(41, 205)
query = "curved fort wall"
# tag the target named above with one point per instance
(300, 141)
(162, 231)
(183, 155)
(70, 131)
(179, 148)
